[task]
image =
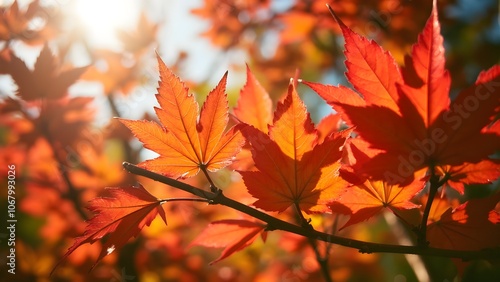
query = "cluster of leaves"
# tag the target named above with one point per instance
(407, 134)
(396, 143)
(281, 36)
(62, 159)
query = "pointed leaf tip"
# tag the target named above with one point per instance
(337, 18)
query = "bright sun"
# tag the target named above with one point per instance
(101, 18)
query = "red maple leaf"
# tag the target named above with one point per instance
(406, 115)
(292, 167)
(119, 217)
(231, 234)
(471, 173)
(184, 143)
(470, 226)
(46, 81)
(366, 198)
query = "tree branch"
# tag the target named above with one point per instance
(278, 224)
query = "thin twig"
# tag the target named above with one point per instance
(276, 223)
(213, 188)
(184, 200)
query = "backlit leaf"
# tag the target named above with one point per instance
(46, 81)
(185, 143)
(292, 168)
(410, 123)
(467, 227)
(120, 216)
(231, 234)
(367, 198)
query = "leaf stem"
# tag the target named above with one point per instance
(213, 188)
(276, 223)
(435, 183)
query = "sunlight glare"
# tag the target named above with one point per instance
(101, 19)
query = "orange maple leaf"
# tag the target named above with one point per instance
(114, 71)
(292, 167)
(256, 109)
(15, 24)
(120, 217)
(254, 105)
(141, 37)
(46, 81)
(327, 125)
(231, 234)
(407, 115)
(298, 24)
(72, 114)
(366, 198)
(185, 145)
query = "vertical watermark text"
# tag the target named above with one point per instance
(11, 218)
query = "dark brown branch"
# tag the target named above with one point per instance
(184, 200)
(278, 224)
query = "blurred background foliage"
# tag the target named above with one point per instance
(67, 149)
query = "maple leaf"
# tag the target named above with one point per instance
(366, 198)
(226, 28)
(327, 125)
(15, 24)
(119, 217)
(256, 109)
(231, 234)
(114, 71)
(483, 172)
(72, 114)
(138, 39)
(468, 226)
(406, 115)
(292, 167)
(254, 105)
(298, 26)
(185, 144)
(46, 81)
